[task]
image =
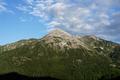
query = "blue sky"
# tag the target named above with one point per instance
(23, 19)
(15, 25)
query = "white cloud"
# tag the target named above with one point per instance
(77, 16)
(54, 23)
(2, 6)
(29, 1)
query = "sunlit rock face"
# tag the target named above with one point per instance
(18, 44)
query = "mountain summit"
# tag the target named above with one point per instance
(59, 33)
(63, 39)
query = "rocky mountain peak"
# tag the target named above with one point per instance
(58, 33)
(55, 35)
(63, 39)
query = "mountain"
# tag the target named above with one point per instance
(62, 39)
(62, 56)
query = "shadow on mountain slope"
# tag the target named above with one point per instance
(116, 78)
(16, 76)
(112, 78)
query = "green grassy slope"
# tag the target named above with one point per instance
(36, 58)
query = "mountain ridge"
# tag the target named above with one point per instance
(62, 56)
(58, 33)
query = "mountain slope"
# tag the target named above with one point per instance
(62, 56)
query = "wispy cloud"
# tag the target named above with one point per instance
(2, 6)
(77, 16)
